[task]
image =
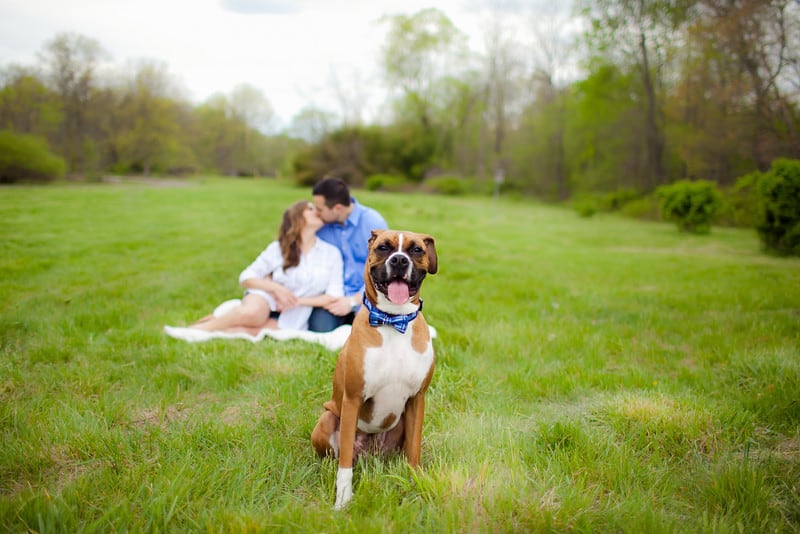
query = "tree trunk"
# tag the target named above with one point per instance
(653, 135)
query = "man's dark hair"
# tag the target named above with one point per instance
(334, 190)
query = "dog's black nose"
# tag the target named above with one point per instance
(399, 261)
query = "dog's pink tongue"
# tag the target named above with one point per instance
(398, 292)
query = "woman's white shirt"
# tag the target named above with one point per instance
(318, 273)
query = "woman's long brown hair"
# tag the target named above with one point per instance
(289, 234)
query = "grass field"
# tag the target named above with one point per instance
(592, 374)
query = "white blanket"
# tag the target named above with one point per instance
(333, 340)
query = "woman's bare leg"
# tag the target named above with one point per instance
(252, 313)
(203, 320)
(272, 324)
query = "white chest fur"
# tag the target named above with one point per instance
(393, 373)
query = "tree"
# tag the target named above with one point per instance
(250, 106)
(604, 138)
(504, 72)
(217, 135)
(537, 151)
(352, 97)
(26, 105)
(147, 136)
(312, 124)
(421, 51)
(639, 34)
(70, 61)
(251, 109)
(758, 38)
(464, 124)
(734, 106)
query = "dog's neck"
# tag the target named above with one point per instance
(399, 321)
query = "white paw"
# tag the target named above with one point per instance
(344, 487)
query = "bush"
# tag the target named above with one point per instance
(27, 157)
(742, 205)
(645, 208)
(585, 206)
(692, 205)
(618, 199)
(588, 204)
(386, 182)
(779, 189)
(447, 185)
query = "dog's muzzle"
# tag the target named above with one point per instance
(397, 278)
(398, 266)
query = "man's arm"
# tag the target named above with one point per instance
(344, 305)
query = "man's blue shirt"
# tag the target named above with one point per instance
(351, 239)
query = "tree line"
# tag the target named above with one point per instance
(135, 122)
(619, 95)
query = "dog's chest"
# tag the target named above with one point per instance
(393, 372)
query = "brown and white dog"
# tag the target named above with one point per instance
(385, 365)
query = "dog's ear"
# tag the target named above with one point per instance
(374, 236)
(433, 259)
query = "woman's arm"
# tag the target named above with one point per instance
(284, 298)
(316, 302)
(258, 275)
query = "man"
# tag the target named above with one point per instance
(348, 226)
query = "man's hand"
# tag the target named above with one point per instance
(340, 306)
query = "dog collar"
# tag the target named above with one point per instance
(399, 322)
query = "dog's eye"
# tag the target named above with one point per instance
(383, 247)
(416, 250)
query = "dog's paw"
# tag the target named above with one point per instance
(344, 488)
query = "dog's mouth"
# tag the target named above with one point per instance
(398, 291)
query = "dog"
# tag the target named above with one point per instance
(386, 364)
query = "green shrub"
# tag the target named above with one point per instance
(692, 205)
(741, 205)
(447, 185)
(587, 204)
(645, 208)
(27, 157)
(779, 188)
(386, 182)
(586, 207)
(618, 199)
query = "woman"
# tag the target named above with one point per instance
(287, 280)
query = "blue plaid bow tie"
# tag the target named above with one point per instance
(399, 322)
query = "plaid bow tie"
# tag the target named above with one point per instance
(399, 322)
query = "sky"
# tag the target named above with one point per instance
(298, 53)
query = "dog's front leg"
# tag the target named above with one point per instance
(347, 435)
(415, 412)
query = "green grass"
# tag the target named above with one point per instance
(592, 374)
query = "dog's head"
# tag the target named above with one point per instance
(397, 264)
